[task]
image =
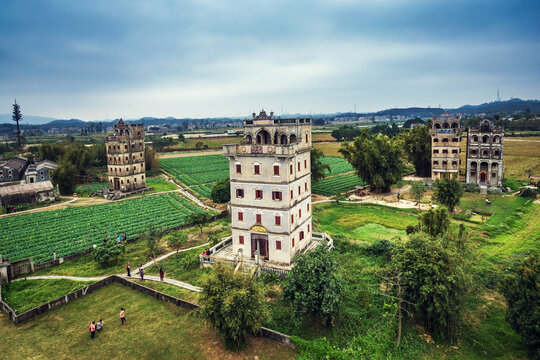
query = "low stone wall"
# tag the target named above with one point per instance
(266, 333)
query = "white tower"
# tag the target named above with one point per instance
(270, 174)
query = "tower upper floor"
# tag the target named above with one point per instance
(446, 124)
(266, 135)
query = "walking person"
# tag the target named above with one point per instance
(122, 315)
(141, 271)
(93, 330)
(161, 273)
(99, 325)
(128, 268)
(54, 256)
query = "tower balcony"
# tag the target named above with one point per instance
(263, 149)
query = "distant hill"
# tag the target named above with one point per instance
(508, 106)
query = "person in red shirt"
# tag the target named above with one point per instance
(93, 329)
(128, 268)
(122, 315)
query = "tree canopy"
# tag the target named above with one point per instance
(313, 285)
(233, 304)
(416, 144)
(522, 292)
(318, 168)
(376, 158)
(447, 192)
(221, 191)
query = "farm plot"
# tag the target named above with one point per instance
(74, 229)
(337, 165)
(331, 186)
(198, 172)
(158, 183)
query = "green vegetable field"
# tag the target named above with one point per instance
(337, 165)
(330, 186)
(74, 229)
(198, 172)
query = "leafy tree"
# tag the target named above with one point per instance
(318, 168)
(417, 190)
(233, 304)
(416, 145)
(152, 237)
(177, 239)
(198, 218)
(522, 293)
(110, 249)
(199, 145)
(376, 159)
(150, 159)
(17, 117)
(436, 281)
(435, 222)
(346, 132)
(159, 142)
(408, 124)
(447, 192)
(221, 191)
(66, 176)
(313, 285)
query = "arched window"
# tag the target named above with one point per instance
(485, 139)
(248, 139)
(293, 138)
(475, 138)
(263, 137)
(436, 126)
(455, 125)
(446, 125)
(283, 139)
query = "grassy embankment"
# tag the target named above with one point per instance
(154, 329)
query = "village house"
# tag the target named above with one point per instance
(445, 145)
(40, 171)
(13, 169)
(26, 193)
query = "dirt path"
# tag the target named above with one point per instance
(188, 153)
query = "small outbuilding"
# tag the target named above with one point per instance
(26, 193)
(13, 169)
(39, 172)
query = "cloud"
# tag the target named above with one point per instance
(109, 59)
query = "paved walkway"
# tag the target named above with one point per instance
(135, 273)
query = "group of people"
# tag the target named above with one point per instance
(141, 272)
(94, 327)
(99, 325)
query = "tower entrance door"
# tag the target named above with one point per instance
(116, 184)
(259, 242)
(483, 177)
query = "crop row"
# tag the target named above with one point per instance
(74, 229)
(337, 165)
(197, 170)
(80, 189)
(330, 186)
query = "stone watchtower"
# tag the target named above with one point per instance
(445, 145)
(125, 157)
(485, 154)
(270, 174)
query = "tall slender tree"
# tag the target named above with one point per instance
(17, 117)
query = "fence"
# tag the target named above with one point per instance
(266, 333)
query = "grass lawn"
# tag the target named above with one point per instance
(24, 295)
(154, 330)
(363, 222)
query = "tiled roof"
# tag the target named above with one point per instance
(25, 188)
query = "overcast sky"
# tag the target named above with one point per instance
(109, 59)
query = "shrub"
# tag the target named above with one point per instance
(528, 192)
(381, 247)
(471, 188)
(233, 304)
(221, 191)
(313, 285)
(522, 294)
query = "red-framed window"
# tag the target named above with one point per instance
(301, 235)
(292, 195)
(308, 228)
(291, 169)
(257, 169)
(292, 242)
(292, 218)
(240, 216)
(276, 169)
(308, 207)
(305, 186)
(299, 166)
(278, 220)
(299, 190)
(258, 218)
(299, 213)
(307, 138)
(278, 245)
(276, 195)
(258, 194)
(238, 168)
(239, 193)
(305, 163)
(241, 239)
